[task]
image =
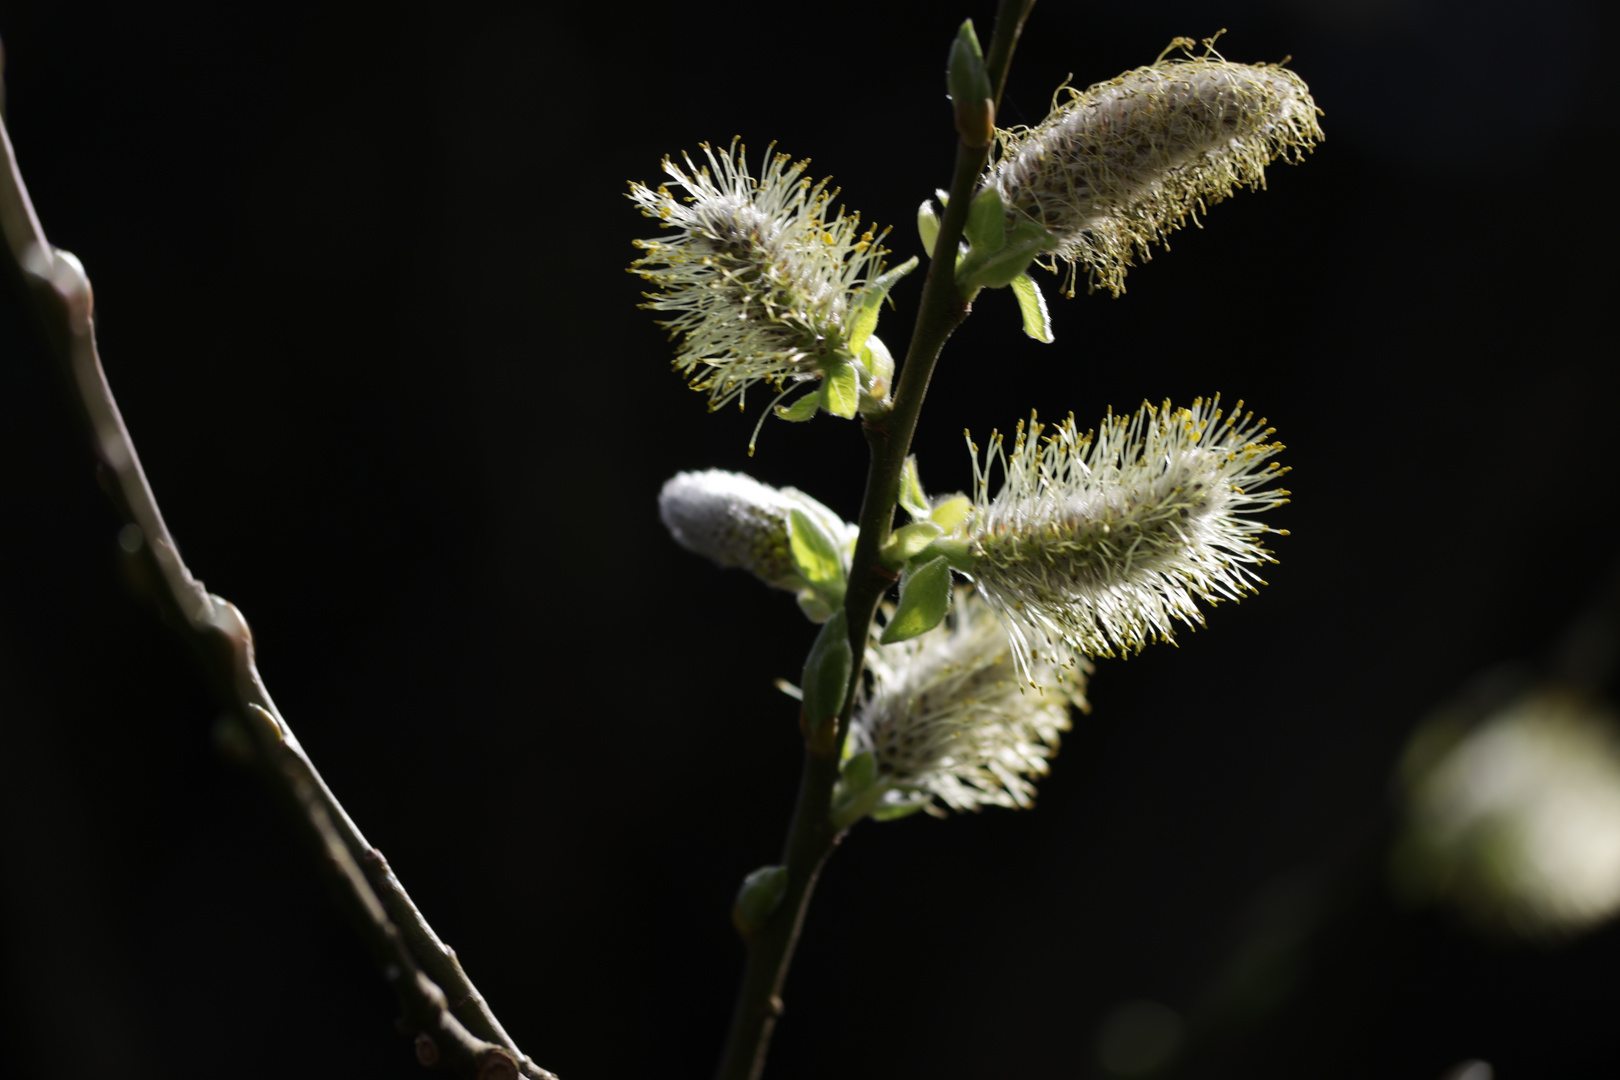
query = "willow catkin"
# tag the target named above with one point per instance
(1118, 166)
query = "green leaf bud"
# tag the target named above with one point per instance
(970, 89)
(761, 894)
(927, 226)
(826, 673)
(986, 226)
(879, 364)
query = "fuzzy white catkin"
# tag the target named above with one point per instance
(1124, 162)
(1103, 540)
(759, 273)
(735, 520)
(948, 718)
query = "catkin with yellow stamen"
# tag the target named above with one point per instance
(1118, 166)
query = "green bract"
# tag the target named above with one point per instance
(908, 541)
(1032, 305)
(925, 596)
(840, 389)
(911, 490)
(826, 672)
(817, 555)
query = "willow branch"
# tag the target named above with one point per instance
(454, 1026)
(812, 835)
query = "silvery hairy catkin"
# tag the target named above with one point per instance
(735, 520)
(1119, 165)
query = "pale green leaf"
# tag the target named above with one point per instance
(986, 227)
(925, 596)
(1037, 320)
(879, 362)
(869, 303)
(815, 552)
(801, 410)
(860, 773)
(950, 514)
(911, 490)
(840, 390)
(897, 810)
(907, 541)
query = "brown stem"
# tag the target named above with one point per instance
(458, 1032)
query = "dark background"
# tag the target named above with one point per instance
(360, 290)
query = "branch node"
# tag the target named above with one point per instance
(497, 1064)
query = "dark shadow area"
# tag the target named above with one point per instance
(361, 294)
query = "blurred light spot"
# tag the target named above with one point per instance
(1472, 1069)
(1516, 823)
(1137, 1037)
(129, 538)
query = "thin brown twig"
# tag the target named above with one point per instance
(454, 1026)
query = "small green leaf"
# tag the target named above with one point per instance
(826, 671)
(927, 226)
(954, 550)
(858, 790)
(869, 303)
(896, 810)
(816, 607)
(907, 541)
(815, 552)
(879, 362)
(761, 894)
(925, 596)
(840, 389)
(911, 490)
(859, 773)
(800, 410)
(1037, 321)
(950, 514)
(986, 227)
(998, 269)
